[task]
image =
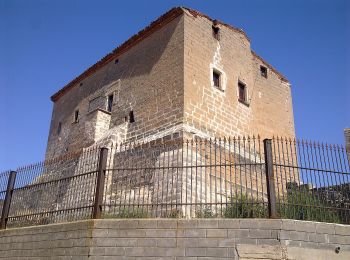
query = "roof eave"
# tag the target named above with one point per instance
(141, 35)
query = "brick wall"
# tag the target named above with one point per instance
(174, 239)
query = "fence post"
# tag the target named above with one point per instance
(270, 178)
(8, 197)
(100, 183)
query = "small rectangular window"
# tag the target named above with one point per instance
(76, 116)
(110, 103)
(59, 128)
(263, 71)
(242, 92)
(216, 30)
(216, 79)
(131, 117)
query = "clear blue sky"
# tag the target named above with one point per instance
(45, 44)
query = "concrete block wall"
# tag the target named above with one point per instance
(175, 239)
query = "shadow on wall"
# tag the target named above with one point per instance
(137, 61)
(142, 65)
(141, 59)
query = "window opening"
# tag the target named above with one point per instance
(216, 79)
(216, 30)
(242, 92)
(76, 116)
(263, 71)
(59, 128)
(131, 117)
(110, 103)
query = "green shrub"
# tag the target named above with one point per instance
(244, 207)
(175, 213)
(303, 205)
(298, 204)
(205, 212)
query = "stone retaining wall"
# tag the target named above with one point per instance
(175, 239)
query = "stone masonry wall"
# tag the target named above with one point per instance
(218, 112)
(181, 177)
(166, 80)
(147, 79)
(179, 239)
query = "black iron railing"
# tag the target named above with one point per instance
(200, 178)
(320, 180)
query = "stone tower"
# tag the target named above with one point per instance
(184, 75)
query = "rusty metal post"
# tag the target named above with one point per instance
(100, 183)
(270, 178)
(8, 197)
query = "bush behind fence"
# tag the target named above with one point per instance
(230, 177)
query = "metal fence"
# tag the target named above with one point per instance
(200, 178)
(53, 191)
(319, 180)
